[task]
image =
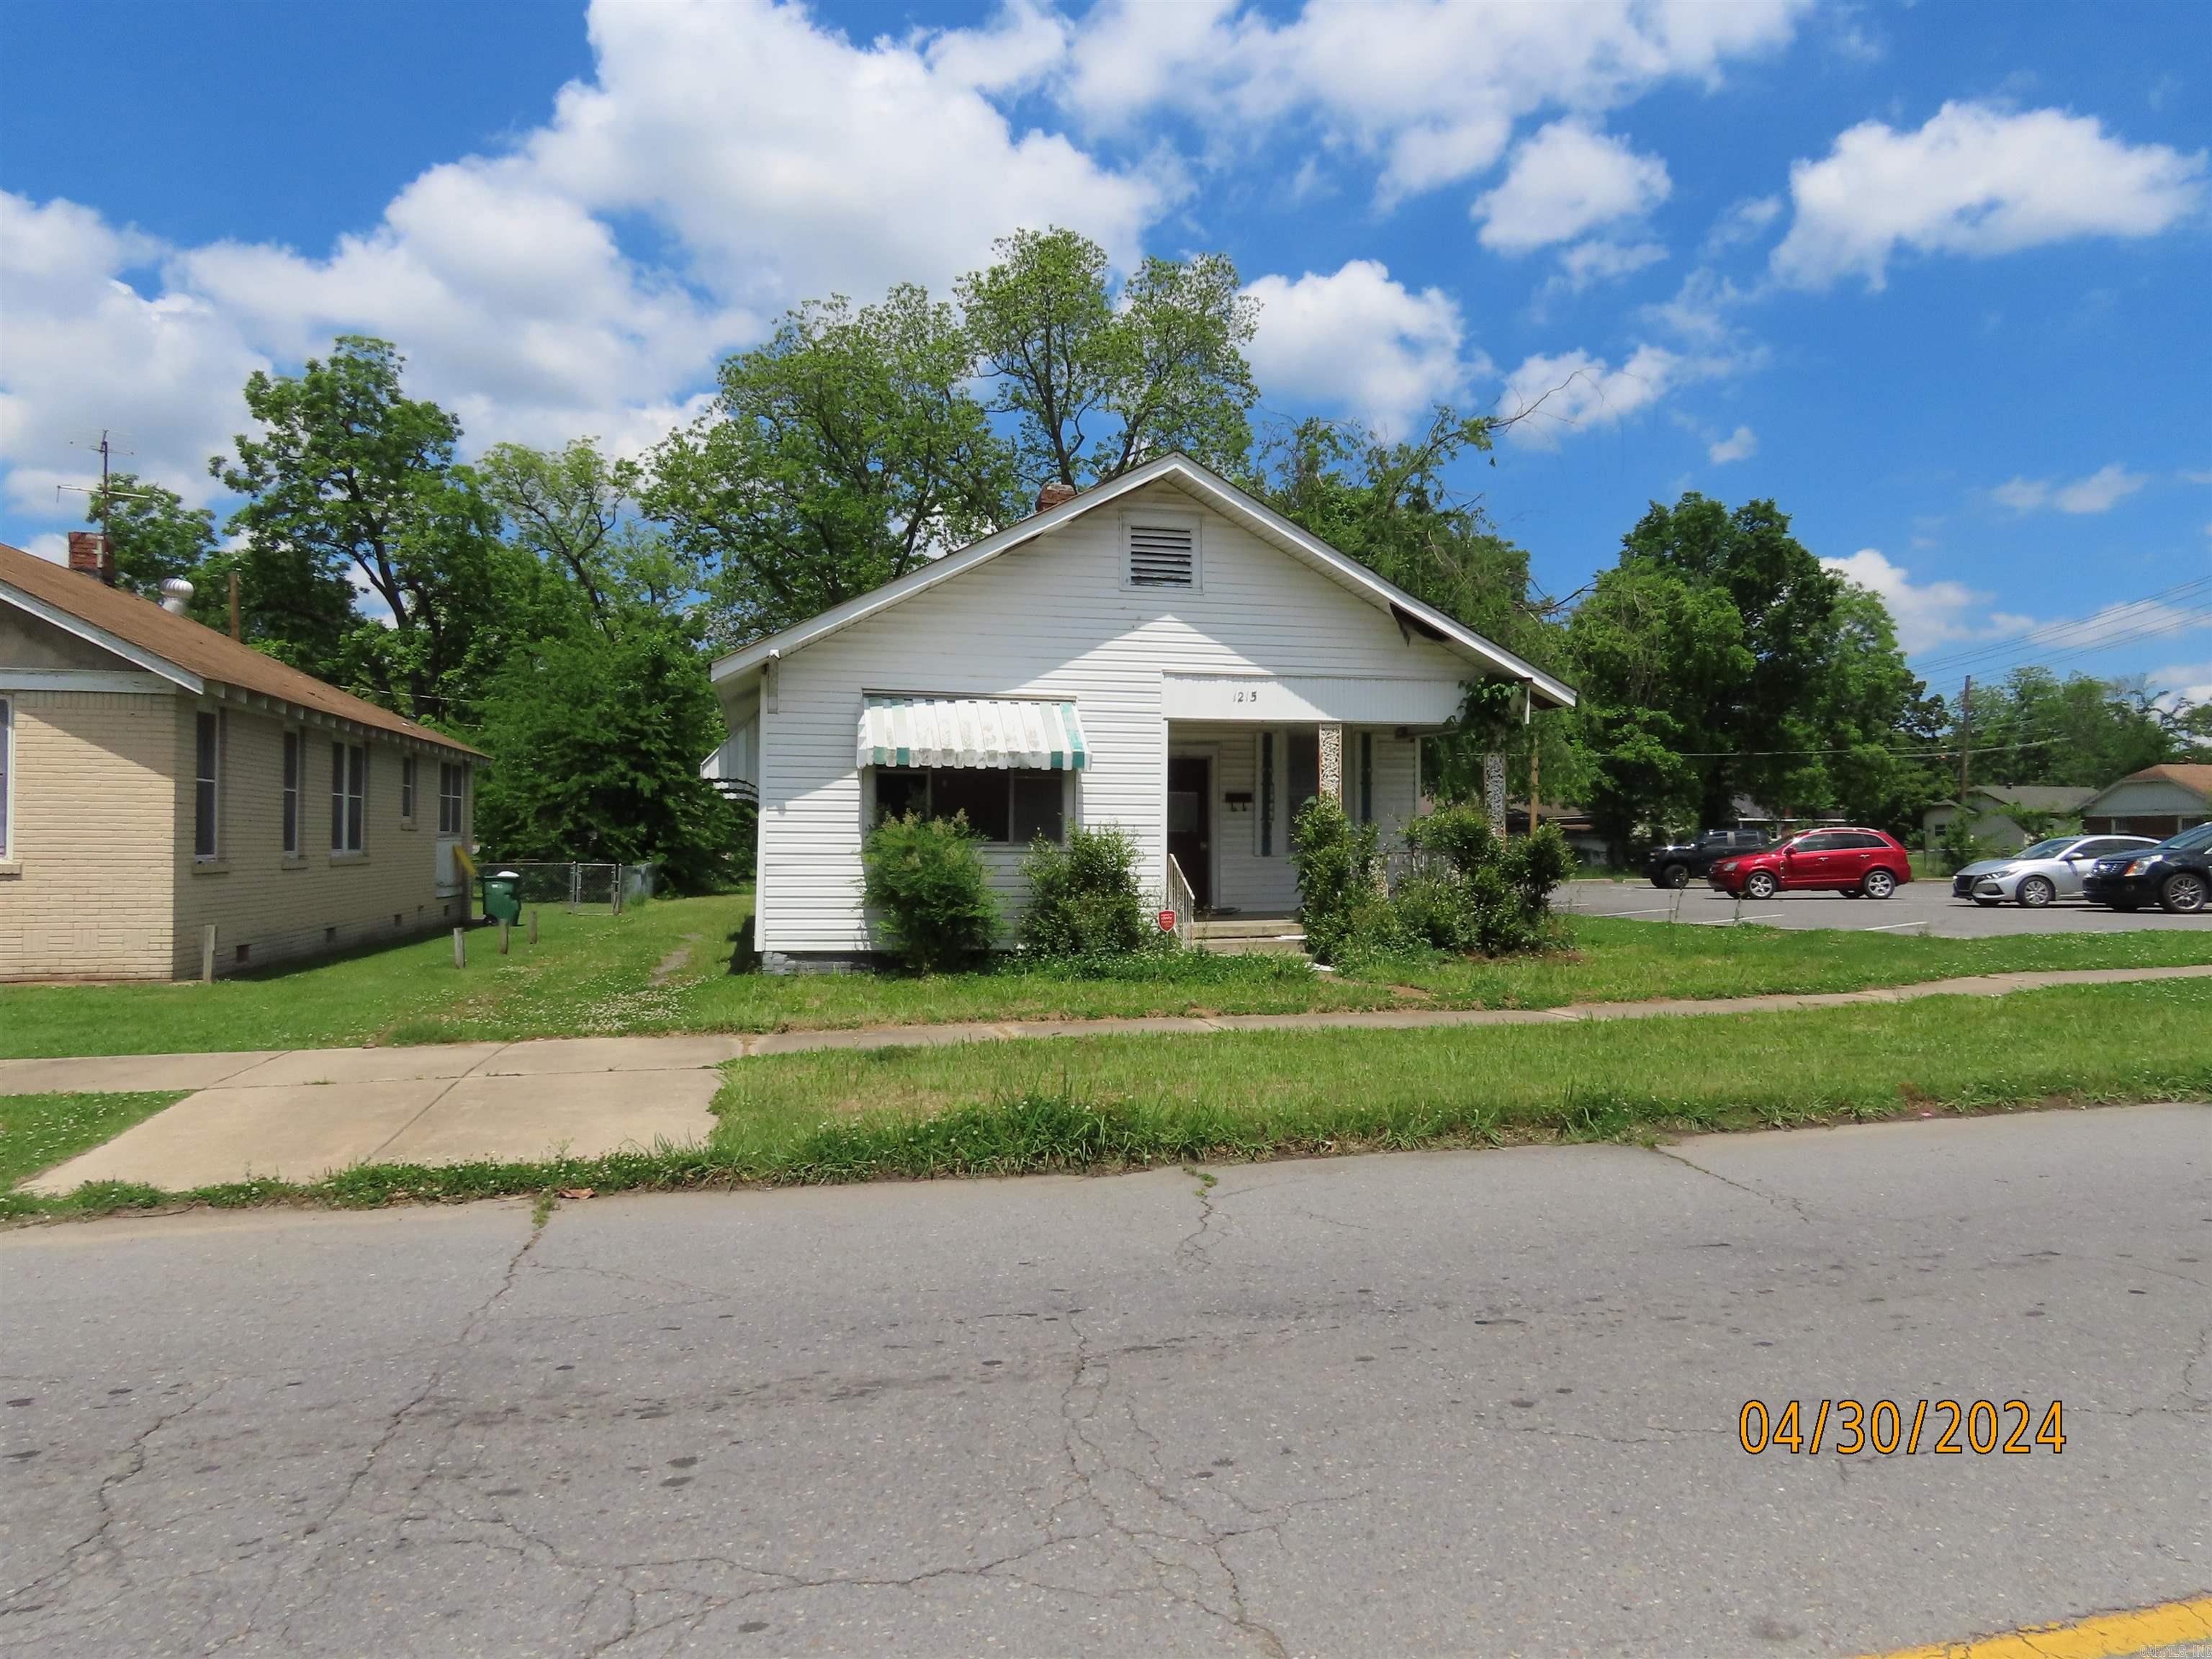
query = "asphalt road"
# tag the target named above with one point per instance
(1919, 906)
(1479, 1403)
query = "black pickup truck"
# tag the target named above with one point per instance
(1687, 861)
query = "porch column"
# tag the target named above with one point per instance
(1332, 761)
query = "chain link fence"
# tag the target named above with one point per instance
(599, 888)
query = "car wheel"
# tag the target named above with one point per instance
(2035, 892)
(1760, 885)
(1675, 875)
(1878, 884)
(2184, 893)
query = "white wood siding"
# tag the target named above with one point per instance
(1052, 619)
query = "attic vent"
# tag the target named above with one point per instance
(1162, 556)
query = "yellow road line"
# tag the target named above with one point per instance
(2101, 1636)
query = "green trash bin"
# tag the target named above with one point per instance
(502, 896)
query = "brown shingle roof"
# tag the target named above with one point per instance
(197, 650)
(2197, 780)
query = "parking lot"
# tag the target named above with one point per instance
(1920, 907)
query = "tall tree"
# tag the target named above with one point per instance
(839, 456)
(570, 508)
(1100, 383)
(153, 536)
(348, 478)
(2034, 727)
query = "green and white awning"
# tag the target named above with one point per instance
(973, 732)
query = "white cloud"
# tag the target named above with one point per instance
(1359, 340)
(1740, 445)
(2182, 681)
(1566, 179)
(1428, 89)
(2095, 494)
(49, 544)
(1587, 263)
(1976, 180)
(1926, 613)
(1549, 395)
(1744, 222)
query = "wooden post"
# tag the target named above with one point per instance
(533, 923)
(615, 904)
(502, 936)
(460, 948)
(207, 954)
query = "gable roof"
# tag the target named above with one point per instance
(1493, 662)
(181, 650)
(2185, 774)
(2035, 797)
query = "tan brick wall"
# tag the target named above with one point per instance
(278, 906)
(102, 882)
(87, 891)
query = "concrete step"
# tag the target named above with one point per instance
(1244, 926)
(1289, 945)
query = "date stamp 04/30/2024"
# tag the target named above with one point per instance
(1848, 1427)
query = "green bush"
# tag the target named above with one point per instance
(1336, 861)
(927, 877)
(1084, 898)
(1959, 846)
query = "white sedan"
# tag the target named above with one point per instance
(2037, 875)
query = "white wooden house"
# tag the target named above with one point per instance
(1162, 653)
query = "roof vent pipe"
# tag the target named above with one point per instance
(176, 596)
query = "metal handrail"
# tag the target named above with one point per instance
(1181, 900)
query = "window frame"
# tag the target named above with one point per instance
(293, 781)
(407, 792)
(1165, 519)
(1266, 793)
(1367, 777)
(7, 779)
(209, 735)
(456, 822)
(1011, 774)
(349, 798)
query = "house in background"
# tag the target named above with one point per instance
(2159, 800)
(1162, 653)
(158, 778)
(1990, 809)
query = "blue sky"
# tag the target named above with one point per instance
(1929, 276)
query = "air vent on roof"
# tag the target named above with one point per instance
(1162, 556)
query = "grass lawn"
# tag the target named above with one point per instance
(40, 1131)
(669, 966)
(1123, 1102)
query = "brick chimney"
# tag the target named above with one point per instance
(88, 552)
(1052, 495)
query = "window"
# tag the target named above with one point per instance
(207, 783)
(1267, 793)
(1015, 806)
(1825, 841)
(1858, 841)
(453, 786)
(1301, 763)
(349, 795)
(294, 756)
(1367, 777)
(1164, 554)
(407, 789)
(6, 772)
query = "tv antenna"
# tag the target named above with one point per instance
(107, 492)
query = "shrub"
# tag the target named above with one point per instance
(1084, 899)
(1959, 846)
(1336, 862)
(927, 877)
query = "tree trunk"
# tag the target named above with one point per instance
(1493, 791)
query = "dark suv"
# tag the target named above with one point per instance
(2175, 875)
(1679, 865)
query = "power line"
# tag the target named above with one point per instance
(2112, 625)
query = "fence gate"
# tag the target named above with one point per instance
(594, 889)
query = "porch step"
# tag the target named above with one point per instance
(1245, 935)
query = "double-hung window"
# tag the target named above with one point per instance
(452, 786)
(207, 785)
(407, 789)
(348, 796)
(295, 759)
(7, 774)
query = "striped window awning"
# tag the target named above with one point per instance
(971, 732)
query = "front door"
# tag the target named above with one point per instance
(1190, 823)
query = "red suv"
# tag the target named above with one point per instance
(1853, 862)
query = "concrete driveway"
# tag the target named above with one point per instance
(1920, 906)
(1479, 1403)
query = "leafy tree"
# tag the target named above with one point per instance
(839, 456)
(153, 536)
(348, 476)
(569, 508)
(595, 745)
(1872, 712)
(1099, 385)
(2034, 727)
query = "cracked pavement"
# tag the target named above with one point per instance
(1453, 1402)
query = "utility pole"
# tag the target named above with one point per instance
(1967, 736)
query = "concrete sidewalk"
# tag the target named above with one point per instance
(304, 1113)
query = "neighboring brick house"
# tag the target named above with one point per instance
(157, 778)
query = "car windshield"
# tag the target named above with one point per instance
(2047, 849)
(2189, 840)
